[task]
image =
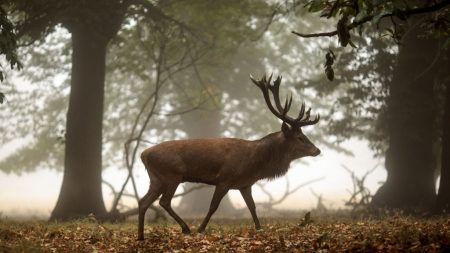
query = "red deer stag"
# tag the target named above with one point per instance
(227, 163)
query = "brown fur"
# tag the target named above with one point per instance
(228, 163)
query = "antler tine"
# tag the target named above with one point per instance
(301, 113)
(277, 81)
(316, 119)
(257, 83)
(287, 105)
(290, 102)
(275, 88)
(310, 122)
(270, 78)
(307, 114)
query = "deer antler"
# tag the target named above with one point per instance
(281, 111)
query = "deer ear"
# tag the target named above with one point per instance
(285, 129)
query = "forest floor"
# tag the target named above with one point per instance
(391, 234)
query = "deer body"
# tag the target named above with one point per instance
(227, 163)
(234, 162)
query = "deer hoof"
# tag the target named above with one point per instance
(186, 231)
(140, 238)
(200, 230)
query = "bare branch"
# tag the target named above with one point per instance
(265, 191)
(287, 192)
(130, 155)
(129, 163)
(360, 196)
(110, 186)
(196, 107)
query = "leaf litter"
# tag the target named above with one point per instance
(392, 234)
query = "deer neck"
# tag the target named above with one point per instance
(273, 156)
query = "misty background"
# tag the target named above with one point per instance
(189, 78)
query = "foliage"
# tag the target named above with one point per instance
(8, 46)
(36, 111)
(354, 14)
(397, 233)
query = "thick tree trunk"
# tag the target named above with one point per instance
(202, 124)
(81, 191)
(443, 200)
(410, 181)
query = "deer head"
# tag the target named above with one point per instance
(298, 144)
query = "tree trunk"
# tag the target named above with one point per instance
(443, 200)
(81, 190)
(412, 113)
(202, 124)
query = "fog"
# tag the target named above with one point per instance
(90, 99)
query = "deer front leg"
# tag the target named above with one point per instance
(219, 192)
(247, 195)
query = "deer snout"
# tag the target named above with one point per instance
(316, 152)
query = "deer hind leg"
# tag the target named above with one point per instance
(153, 193)
(219, 193)
(247, 195)
(165, 202)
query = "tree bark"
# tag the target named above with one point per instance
(81, 190)
(412, 113)
(443, 199)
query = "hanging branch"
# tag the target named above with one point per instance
(396, 13)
